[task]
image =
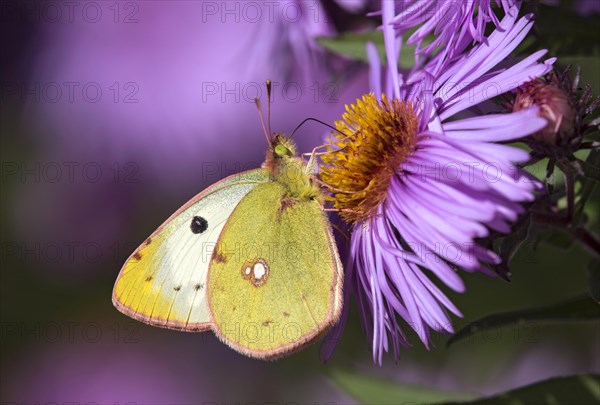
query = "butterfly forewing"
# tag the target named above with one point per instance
(163, 282)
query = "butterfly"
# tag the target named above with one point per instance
(252, 258)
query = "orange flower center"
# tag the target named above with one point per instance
(374, 138)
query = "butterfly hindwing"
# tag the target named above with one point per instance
(163, 283)
(275, 280)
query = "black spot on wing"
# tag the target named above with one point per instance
(198, 224)
(177, 288)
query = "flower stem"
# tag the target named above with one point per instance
(587, 238)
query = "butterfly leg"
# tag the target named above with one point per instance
(310, 164)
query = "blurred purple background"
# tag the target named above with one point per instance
(112, 115)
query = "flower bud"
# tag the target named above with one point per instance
(554, 106)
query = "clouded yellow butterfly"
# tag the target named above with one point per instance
(252, 257)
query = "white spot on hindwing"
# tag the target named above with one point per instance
(259, 270)
(256, 271)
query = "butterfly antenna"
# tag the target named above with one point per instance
(269, 105)
(315, 120)
(262, 120)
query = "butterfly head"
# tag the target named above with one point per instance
(281, 151)
(282, 147)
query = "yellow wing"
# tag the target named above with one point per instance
(163, 282)
(275, 280)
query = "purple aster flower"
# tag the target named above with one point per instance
(447, 27)
(420, 184)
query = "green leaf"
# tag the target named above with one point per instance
(559, 239)
(576, 309)
(579, 389)
(370, 390)
(593, 277)
(353, 45)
